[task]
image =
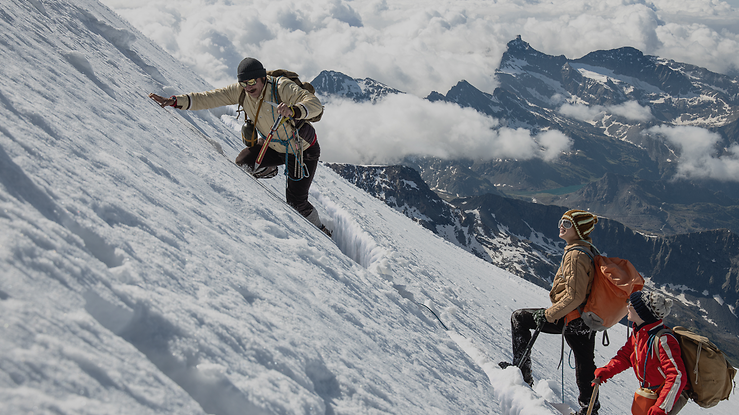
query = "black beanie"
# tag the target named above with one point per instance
(250, 68)
(641, 308)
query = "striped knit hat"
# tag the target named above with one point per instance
(582, 221)
(650, 306)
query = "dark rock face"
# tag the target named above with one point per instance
(403, 189)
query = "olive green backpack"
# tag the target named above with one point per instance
(711, 376)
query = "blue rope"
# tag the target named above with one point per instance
(290, 149)
(650, 343)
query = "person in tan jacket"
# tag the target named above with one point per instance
(570, 289)
(264, 98)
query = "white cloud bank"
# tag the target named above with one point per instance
(405, 125)
(419, 46)
(699, 155)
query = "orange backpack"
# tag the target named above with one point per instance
(614, 281)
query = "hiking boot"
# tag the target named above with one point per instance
(584, 409)
(326, 230)
(525, 373)
(265, 172)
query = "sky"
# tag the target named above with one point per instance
(423, 46)
(143, 272)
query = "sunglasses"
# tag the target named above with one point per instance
(564, 223)
(248, 82)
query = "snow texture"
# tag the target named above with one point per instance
(142, 272)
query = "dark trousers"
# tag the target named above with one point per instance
(577, 335)
(296, 193)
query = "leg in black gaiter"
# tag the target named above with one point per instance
(248, 157)
(577, 335)
(297, 190)
(522, 322)
(582, 342)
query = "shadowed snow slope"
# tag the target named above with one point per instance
(142, 272)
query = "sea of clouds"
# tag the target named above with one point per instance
(419, 46)
(422, 46)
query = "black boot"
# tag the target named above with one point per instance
(326, 230)
(584, 408)
(525, 372)
(265, 172)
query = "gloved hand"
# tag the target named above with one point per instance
(539, 317)
(656, 410)
(603, 373)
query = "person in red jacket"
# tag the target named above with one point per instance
(657, 361)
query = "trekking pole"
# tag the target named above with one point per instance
(593, 396)
(274, 128)
(530, 345)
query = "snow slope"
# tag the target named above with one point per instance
(141, 272)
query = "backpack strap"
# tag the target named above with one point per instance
(577, 248)
(587, 252)
(697, 354)
(242, 97)
(653, 346)
(275, 92)
(597, 251)
(577, 313)
(657, 335)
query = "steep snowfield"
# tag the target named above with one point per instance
(141, 272)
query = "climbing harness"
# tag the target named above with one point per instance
(293, 144)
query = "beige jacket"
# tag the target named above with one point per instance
(572, 282)
(290, 93)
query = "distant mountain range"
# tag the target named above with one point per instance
(681, 234)
(614, 168)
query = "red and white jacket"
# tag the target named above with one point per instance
(665, 371)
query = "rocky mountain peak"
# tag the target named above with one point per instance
(336, 84)
(632, 62)
(520, 55)
(518, 44)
